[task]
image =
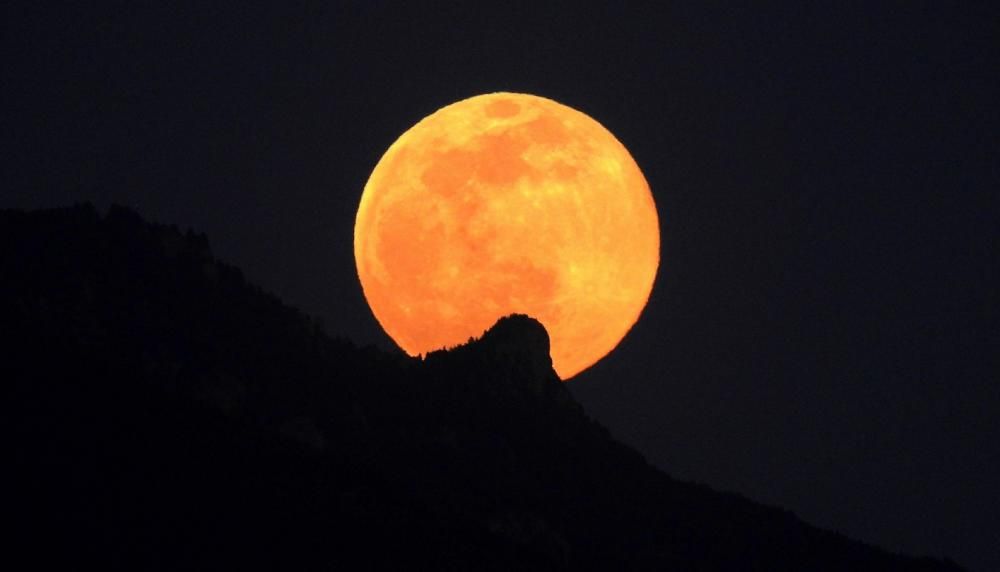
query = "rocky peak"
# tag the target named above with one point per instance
(515, 353)
(519, 337)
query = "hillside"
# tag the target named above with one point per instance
(168, 415)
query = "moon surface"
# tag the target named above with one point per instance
(508, 203)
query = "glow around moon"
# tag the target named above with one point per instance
(508, 203)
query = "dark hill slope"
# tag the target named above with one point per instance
(167, 415)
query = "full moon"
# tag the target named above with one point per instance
(508, 203)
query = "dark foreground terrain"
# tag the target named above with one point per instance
(167, 415)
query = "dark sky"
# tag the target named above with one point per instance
(822, 332)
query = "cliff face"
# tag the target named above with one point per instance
(166, 414)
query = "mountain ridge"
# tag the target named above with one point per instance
(170, 415)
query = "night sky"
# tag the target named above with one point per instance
(822, 333)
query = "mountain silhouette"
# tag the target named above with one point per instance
(168, 415)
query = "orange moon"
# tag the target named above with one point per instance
(508, 203)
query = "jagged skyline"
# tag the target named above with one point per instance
(167, 414)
